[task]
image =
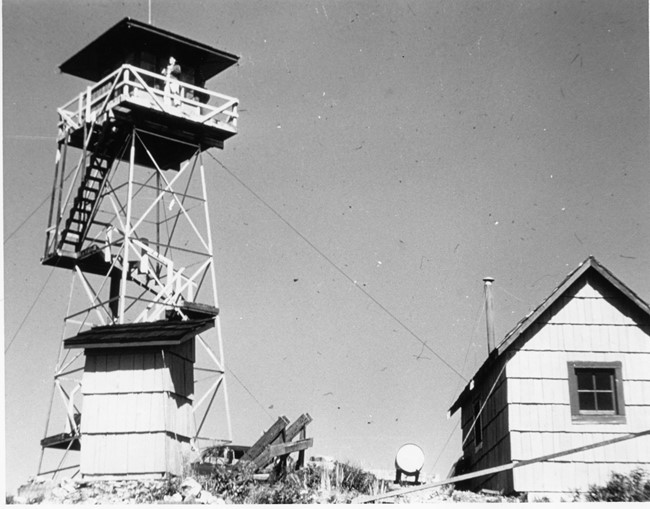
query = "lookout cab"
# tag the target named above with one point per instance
(173, 114)
(129, 218)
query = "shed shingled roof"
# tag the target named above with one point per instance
(160, 333)
(518, 330)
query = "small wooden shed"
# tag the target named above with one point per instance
(138, 388)
(573, 372)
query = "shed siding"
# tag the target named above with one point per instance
(136, 413)
(137, 410)
(133, 454)
(584, 326)
(140, 371)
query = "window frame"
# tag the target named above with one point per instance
(594, 417)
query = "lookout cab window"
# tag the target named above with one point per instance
(596, 392)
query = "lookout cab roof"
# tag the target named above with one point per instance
(128, 38)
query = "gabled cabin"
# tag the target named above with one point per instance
(572, 373)
(127, 65)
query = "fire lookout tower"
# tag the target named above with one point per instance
(129, 217)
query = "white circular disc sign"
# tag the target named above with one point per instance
(410, 458)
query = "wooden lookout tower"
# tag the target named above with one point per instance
(129, 218)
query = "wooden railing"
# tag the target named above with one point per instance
(151, 90)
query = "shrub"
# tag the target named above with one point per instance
(311, 476)
(236, 484)
(159, 490)
(356, 479)
(633, 487)
(291, 490)
(230, 482)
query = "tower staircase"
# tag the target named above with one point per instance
(171, 289)
(86, 202)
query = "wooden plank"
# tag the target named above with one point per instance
(635, 392)
(127, 367)
(189, 379)
(199, 310)
(301, 455)
(297, 426)
(262, 459)
(90, 375)
(111, 382)
(116, 454)
(141, 417)
(587, 292)
(289, 447)
(158, 371)
(62, 441)
(258, 447)
(149, 371)
(89, 414)
(138, 371)
(87, 459)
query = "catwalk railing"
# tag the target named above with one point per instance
(151, 90)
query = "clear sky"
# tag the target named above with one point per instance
(417, 146)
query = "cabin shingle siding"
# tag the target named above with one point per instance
(495, 448)
(584, 326)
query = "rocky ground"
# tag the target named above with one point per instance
(440, 495)
(189, 491)
(70, 491)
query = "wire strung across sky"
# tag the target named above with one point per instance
(28, 137)
(250, 393)
(470, 343)
(479, 315)
(29, 216)
(30, 310)
(338, 269)
(258, 197)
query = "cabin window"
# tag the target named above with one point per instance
(596, 392)
(478, 425)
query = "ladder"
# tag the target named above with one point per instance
(86, 202)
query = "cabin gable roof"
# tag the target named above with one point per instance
(517, 334)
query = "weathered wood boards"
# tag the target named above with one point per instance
(267, 438)
(277, 442)
(288, 448)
